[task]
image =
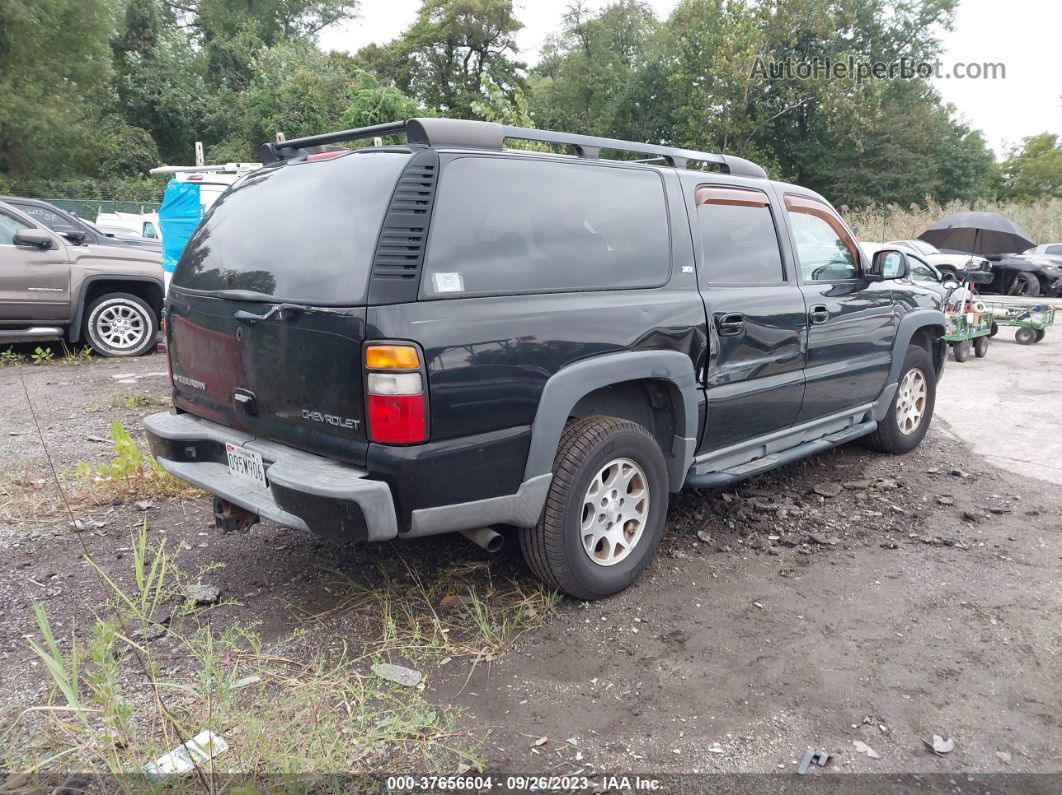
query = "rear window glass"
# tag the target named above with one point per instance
(505, 225)
(302, 232)
(50, 219)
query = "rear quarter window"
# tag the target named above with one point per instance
(507, 225)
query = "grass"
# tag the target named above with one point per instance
(119, 701)
(130, 474)
(1041, 219)
(465, 611)
(143, 400)
(44, 355)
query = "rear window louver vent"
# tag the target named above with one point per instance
(404, 234)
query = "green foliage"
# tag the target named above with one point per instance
(54, 66)
(8, 357)
(444, 56)
(42, 355)
(1034, 170)
(129, 474)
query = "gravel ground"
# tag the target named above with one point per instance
(851, 597)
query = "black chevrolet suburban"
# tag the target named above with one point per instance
(451, 335)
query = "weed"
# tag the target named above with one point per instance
(130, 473)
(8, 358)
(42, 355)
(466, 611)
(138, 401)
(117, 703)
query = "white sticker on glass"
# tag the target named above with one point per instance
(448, 283)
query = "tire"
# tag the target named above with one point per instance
(981, 347)
(591, 451)
(891, 436)
(111, 340)
(994, 331)
(961, 350)
(1025, 283)
(1025, 336)
(1040, 334)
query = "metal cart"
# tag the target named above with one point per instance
(1031, 321)
(969, 331)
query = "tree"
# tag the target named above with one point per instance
(588, 80)
(1033, 170)
(54, 66)
(444, 56)
(271, 21)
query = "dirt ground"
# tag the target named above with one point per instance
(850, 597)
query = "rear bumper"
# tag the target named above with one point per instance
(305, 491)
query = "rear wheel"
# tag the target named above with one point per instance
(1025, 283)
(994, 331)
(120, 324)
(907, 421)
(961, 350)
(1025, 336)
(981, 347)
(605, 511)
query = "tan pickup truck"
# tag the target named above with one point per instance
(55, 286)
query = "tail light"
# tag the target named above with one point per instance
(395, 402)
(164, 346)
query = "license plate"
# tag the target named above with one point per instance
(246, 464)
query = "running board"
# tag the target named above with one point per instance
(34, 333)
(725, 477)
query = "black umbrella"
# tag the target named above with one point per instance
(978, 233)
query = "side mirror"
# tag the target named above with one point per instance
(888, 264)
(75, 236)
(34, 238)
(980, 277)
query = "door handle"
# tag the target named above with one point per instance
(730, 325)
(819, 313)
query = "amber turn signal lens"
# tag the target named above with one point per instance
(391, 357)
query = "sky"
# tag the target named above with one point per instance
(1020, 34)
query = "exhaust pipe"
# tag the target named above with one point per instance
(484, 537)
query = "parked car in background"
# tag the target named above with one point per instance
(77, 230)
(948, 262)
(1026, 274)
(1050, 249)
(67, 285)
(144, 225)
(919, 269)
(556, 361)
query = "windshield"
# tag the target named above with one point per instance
(301, 232)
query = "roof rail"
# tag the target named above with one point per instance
(490, 135)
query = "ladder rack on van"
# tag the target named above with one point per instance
(491, 135)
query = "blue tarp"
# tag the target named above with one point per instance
(179, 216)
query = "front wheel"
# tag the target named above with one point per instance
(1026, 284)
(981, 347)
(120, 325)
(961, 350)
(905, 424)
(605, 511)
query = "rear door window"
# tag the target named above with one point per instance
(738, 237)
(303, 232)
(505, 225)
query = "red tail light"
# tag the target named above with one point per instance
(397, 419)
(164, 346)
(395, 403)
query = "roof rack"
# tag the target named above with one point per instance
(490, 135)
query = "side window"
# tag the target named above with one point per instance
(149, 230)
(8, 227)
(52, 220)
(738, 237)
(504, 225)
(1054, 250)
(825, 248)
(920, 271)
